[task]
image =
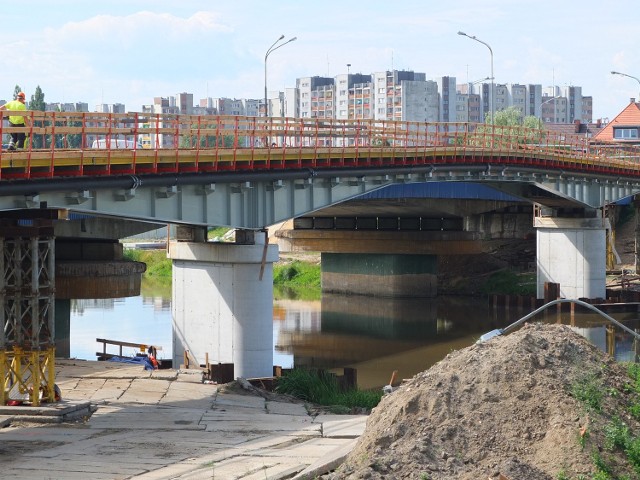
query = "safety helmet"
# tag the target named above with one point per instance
(21, 95)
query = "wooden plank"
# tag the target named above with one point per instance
(142, 346)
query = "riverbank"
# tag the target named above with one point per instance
(167, 424)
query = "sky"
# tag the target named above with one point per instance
(131, 51)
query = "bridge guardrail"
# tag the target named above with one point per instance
(59, 145)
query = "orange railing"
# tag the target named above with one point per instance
(64, 144)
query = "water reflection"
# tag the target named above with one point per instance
(135, 319)
(374, 335)
(379, 335)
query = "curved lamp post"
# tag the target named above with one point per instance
(492, 78)
(625, 75)
(554, 107)
(471, 84)
(276, 45)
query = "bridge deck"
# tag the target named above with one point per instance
(60, 145)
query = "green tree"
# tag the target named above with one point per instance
(37, 104)
(16, 91)
(70, 140)
(223, 141)
(506, 118)
(37, 100)
(508, 129)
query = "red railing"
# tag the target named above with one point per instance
(62, 144)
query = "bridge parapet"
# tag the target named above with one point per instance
(63, 144)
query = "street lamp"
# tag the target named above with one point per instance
(554, 107)
(492, 77)
(625, 75)
(471, 84)
(273, 47)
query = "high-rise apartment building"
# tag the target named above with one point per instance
(322, 99)
(308, 88)
(420, 101)
(292, 103)
(361, 98)
(110, 108)
(576, 105)
(502, 98)
(517, 98)
(462, 107)
(402, 95)
(534, 100)
(475, 108)
(184, 102)
(161, 105)
(448, 91)
(67, 107)
(587, 110)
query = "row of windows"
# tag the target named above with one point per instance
(625, 133)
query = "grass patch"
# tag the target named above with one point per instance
(158, 265)
(299, 280)
(614, 438)
(296, 280)
(217, 232)
(322, 388)
(588, 390)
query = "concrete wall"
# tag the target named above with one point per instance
(572, 252)
(380, 275)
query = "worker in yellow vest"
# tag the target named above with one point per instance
(17, 105)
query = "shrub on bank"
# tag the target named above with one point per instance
(300, 280)
(507, 282)
(322, 388)
(158, 265)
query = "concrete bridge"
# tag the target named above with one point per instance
(250, 173)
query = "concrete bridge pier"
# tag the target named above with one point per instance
(571, 252)
(222, 302)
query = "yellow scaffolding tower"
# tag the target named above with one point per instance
(27, 337)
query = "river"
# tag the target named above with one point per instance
(377, 336)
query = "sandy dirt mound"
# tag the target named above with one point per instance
(501, 407)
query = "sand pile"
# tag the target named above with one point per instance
(517, 406)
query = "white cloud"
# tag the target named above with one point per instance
(109, 56)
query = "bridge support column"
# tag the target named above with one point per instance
(27, 286)
(572, 252)
(380, 275)
(222, 303)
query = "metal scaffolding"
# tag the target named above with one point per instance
(27, 337)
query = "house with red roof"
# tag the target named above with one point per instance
(623, 129)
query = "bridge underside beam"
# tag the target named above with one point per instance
(424, 243)
(258, 199)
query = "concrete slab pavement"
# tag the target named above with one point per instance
(168, 425)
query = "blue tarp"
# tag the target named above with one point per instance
(144, 361)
